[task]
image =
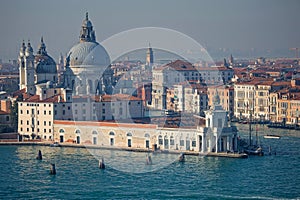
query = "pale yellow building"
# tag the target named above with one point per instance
(35, 118)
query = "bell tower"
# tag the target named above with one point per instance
(149, 58)
(21, 59)
(29, 71)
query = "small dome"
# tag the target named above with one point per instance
(89, 53)
(44, 64)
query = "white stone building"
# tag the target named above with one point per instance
(216, 136)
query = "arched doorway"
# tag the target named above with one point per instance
(129, 139)
(95, 138)
(61, 135)
(77, 132)
(147, 142)
(111, 138)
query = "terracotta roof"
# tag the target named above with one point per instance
(36, 98)
(281, 83)
(109, 124)
(214, 68)
(119, 97)
(3, 113)
(178, 65)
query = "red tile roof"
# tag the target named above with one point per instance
(178, 65)
(36, 98)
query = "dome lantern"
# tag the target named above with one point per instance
(87, 34)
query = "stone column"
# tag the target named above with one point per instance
(217, 143)
(235, 143)
(228, 146)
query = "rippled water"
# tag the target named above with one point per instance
(78, 175)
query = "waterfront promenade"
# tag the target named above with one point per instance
(89, 146)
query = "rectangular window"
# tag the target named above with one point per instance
(193, 143)
(103, 111)
(27, 122)
(182, 143)
(45, 112)
(21, 122)
(44, 123)
(94, 140)
(49, 112)
(49, 123)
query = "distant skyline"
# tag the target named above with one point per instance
(239, 27)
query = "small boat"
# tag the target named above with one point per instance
(254, 150)
(272, 136)
(55, 144)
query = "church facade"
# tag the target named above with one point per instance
(81, 90)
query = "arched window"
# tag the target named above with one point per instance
(172, 140)
(77, 131)
(111, 133)
(147, 135)
(94, 132)
(129, 134)
(160, 140)
(61, 130)
(166, 142)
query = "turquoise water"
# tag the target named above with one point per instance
(78, 175)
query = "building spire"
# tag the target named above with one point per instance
(42, 47)
(29, 50)
(22, 49)
(87, 16)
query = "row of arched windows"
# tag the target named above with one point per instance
(111, 133)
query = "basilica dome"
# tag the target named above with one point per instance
(88, 53)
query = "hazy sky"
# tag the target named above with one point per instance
(232, 24)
